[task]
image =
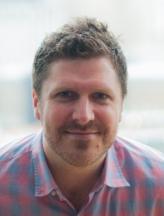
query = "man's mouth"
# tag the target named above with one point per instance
(82, 134)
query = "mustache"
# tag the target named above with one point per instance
(92, 126)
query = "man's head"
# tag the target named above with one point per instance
(84, 38)
(79, 84)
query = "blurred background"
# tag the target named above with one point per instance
(140, 28)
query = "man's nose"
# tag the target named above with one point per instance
(83, 111)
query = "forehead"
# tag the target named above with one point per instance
(97, 72)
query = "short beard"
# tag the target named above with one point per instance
(55, 139)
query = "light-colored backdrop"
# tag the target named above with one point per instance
(140, 28)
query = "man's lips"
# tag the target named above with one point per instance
(82, 132)
(84, 135)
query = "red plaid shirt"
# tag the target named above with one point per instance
(132, 183)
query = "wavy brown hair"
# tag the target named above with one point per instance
(82, 38)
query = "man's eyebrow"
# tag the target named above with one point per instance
(59, 89)
(103, 89)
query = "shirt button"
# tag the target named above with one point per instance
(53, 193)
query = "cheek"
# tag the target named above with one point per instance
(109, 117)
(57, 115)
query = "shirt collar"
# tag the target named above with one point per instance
(113, 174)
(43, 180)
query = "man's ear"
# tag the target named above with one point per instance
(120, 115)
(36, 104)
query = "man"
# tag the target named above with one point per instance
(77, 165)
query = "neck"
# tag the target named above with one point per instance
(74, 182)
(70, 174)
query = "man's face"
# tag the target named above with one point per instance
(79, 108)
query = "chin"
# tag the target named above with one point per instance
(83, 157)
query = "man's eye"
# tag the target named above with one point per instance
(99, 96)
(66, 95)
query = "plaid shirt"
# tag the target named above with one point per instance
(132, 183)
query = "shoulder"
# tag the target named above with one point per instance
(139, 150)
(16, 167)
(16, 161)
(16, 148)
(139, 162)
